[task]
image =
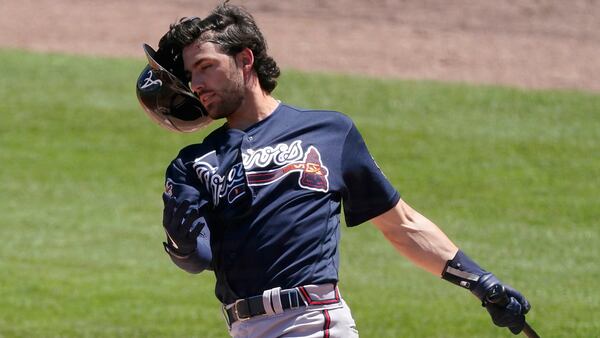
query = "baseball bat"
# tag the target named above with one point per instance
(497, 295)
(529, 331)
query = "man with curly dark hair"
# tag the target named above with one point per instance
(259, 200)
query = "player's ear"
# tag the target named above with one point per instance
(245, 59)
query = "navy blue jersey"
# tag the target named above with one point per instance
(272, 196)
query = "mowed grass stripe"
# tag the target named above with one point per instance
(511, 175)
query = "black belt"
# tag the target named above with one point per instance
(244, 309)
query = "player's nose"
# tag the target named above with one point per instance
(197, 84)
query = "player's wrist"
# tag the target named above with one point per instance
(464, 272)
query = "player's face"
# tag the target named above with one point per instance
(215, 77)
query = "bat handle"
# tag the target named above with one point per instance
(529, 331)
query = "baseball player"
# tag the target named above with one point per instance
(258, 201)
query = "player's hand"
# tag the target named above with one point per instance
(506, 306)
(179, 226)
(511, 311)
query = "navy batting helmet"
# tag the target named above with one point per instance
(166, 98)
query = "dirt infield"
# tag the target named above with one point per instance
(526, 43)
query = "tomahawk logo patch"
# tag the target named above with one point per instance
(313, 175)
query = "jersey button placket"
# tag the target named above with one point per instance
(247, 142)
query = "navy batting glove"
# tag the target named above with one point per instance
(506, 306)
(179, 226)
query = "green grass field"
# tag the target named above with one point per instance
(512, 176)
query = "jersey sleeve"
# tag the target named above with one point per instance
(367, 192)
(181, 184)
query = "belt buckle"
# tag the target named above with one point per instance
(236, 312)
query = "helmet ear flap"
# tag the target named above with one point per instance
(167, 100)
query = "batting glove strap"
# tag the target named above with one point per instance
(464, 272)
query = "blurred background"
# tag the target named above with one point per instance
(530, 43)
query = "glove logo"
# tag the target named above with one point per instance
(149, 83)
(169, 188)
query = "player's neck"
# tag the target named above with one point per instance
(257, 106)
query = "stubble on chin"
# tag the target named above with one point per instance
(230, 101)
(230, 105)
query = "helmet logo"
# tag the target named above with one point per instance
(149, 82)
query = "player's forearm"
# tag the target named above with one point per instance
(416, 237)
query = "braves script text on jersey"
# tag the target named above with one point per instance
(271, 197)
